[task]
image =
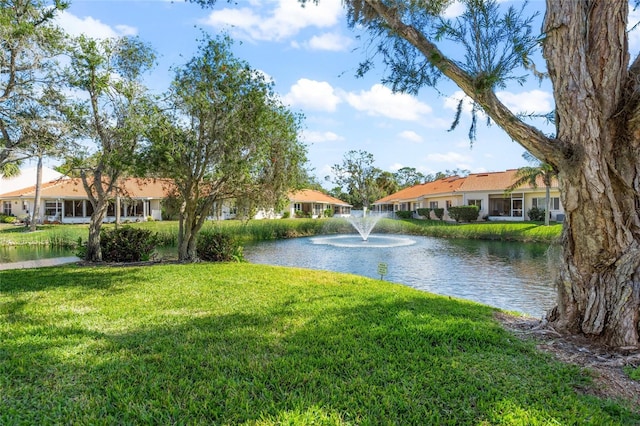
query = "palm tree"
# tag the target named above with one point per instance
(530, 174)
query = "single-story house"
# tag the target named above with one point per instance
(485, 190)
(65, 201)
(314, 203)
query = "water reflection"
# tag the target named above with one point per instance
(20, 253)
(508, 275)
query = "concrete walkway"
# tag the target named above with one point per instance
(39, 263)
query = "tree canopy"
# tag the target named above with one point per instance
(224, 136)
(30, 44)
(109, 115)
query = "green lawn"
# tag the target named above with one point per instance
(262, 230)
(254, 344)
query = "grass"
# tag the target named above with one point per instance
(263, 230)
(263, 345)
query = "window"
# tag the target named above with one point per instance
(542, 204)
(52, 208)
(433, 204)
(6, 208)
(131, 208)
(475, 203)
(73, 208)
(297, 207)
(448, 203)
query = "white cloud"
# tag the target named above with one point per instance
(92, 27)
(318, 137)
(410, 136)
(329, 41)
(395, 167)
(276, 19)
(311, 94)
(454, 10)
(381, 101)
(451, 102)
(459, 160)
(534, 101)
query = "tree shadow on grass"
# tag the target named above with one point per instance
(392, 359)
(17, 281)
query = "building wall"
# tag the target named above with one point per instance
(78, 210)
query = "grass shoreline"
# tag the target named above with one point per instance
(262, 345)
(264, 230)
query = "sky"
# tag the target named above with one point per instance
(312, 56)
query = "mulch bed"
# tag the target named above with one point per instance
(610, 381)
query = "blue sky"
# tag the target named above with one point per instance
(312, 56)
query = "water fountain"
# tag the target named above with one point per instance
(364, 224)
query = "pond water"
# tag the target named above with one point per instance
(508, 275)
(35, 252)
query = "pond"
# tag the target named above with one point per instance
(507, 275)
(35, 252)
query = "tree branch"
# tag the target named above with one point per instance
(547, 149)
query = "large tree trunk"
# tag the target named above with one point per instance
(596, 152)
(94, 251)
(188, 234)
(599, 281)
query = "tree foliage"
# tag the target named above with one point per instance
(224, 136)
(357, 175)
(30, 44)
(111, 111)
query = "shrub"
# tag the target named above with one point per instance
(286, 215)
(302, 214)
(404, 214)
(535, 214)
(464, 213)
(215, 246)
(424, 212)
(7, 219)
(328, 213)
(439, 212)
(127, 244)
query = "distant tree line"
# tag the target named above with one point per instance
(360, 183)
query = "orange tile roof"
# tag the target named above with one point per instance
(73, 188)
(313, 196)
(496, 181)
(440, 186)
(493, 181)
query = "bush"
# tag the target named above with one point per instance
(215, 246)
(424, 212)
(404, 214)
(464, 213)
(7, 219)
(439, 212)
(301, 214)
(535, 214)
(286, 215)
(328, 213)
(127, 244)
